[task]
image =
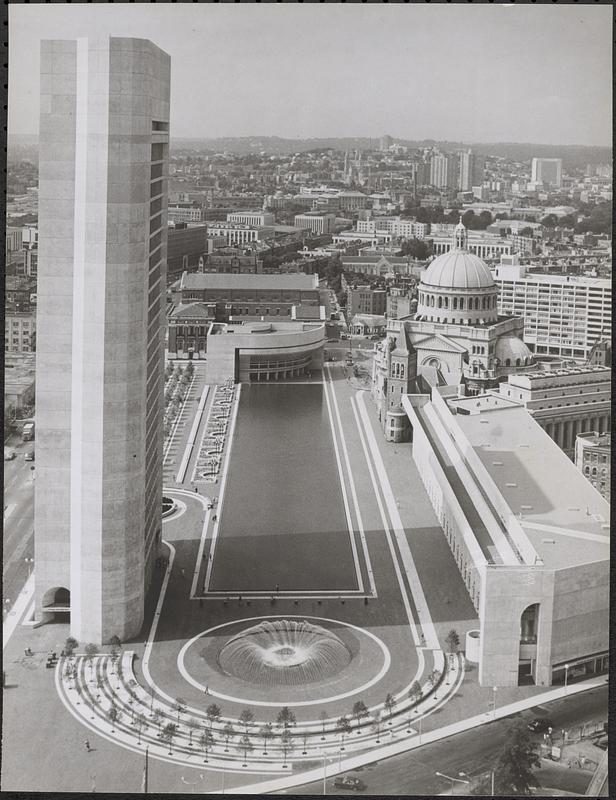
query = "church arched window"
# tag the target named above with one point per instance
(461, 304)
(507, 362)
(440, 302)
(455, 303)
(445, 302)
(476, 304)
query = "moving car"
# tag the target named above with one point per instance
(29, 455)
(540, 725)
(347, 782)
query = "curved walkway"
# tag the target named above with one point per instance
(91, 687)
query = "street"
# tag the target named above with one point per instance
(475, 752)
(18, 540)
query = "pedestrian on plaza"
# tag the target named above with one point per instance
(86, 744)
(196, 490)
(207, 690)
(214, 518)
(183, 572)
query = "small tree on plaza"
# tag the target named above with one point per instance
(246, 746)
(344, 726)
(157, 717)
(452, 641)
(359, 712)
(139, 722)
(266, 732)
(70, 645)
(228, 732)
(286, 718)
(113, 716)
(434, 677)
(390, 704)
(376, 725)
(323, 718)
(286, 744)
(168, 734)
(246, 719)
(180, 706)
(206, 741)
(212, 712)
(91, 651)
(192, 725)
(415, 692)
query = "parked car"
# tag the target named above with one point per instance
(540, 725)
(9, 455)
(29, 455)
(347, 782)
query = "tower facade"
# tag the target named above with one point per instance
(103, 164)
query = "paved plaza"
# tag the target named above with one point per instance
(351, 563)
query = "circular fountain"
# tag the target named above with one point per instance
(284, 652)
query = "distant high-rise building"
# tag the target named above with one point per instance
(104, 133)
(466, 170)
(442, 171)
(547, 171)
(385, 143)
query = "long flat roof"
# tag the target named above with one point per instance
(563, 515)
(215, 280)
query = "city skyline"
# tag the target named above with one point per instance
(351, 89)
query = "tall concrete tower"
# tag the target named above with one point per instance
(103, 163)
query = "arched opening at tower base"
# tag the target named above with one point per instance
(56, 605)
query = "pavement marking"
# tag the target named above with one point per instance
(276, 704)
(191, 436)
(419, 597)
(14, 616)
(360, 524)
(403, 592)
(345, 499)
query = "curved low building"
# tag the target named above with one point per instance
(264, 351)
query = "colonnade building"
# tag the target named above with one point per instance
(566, 402)
(529, 533)
(103, 162)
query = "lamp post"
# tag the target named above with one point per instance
(29, 562)
(566, 676)
(494, 690)
(324, 772)
(453, 780)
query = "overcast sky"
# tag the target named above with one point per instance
(459, 72)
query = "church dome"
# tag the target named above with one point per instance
(458, 287)
(458, 269)
(512, 352)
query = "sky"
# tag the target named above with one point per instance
(498, 73)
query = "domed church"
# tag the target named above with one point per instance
(456, 336)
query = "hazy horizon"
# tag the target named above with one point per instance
(470, 74)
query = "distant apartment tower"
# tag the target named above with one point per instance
(548, 171)
(466, 170)
(441, 170)
(103, 160)
(564, 315)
